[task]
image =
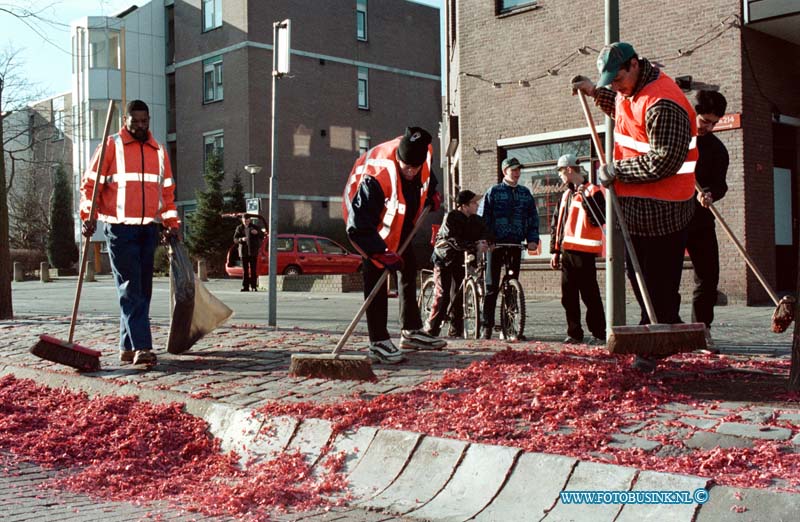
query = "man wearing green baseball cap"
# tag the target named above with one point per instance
(655, 154)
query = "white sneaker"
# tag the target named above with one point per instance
(419, 340)
(385, 352)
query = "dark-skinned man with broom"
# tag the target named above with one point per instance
(385, 194)
(653, 171)
(135, 197)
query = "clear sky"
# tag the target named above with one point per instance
(45, 48)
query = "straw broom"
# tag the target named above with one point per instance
(347, 367)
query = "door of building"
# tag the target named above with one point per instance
(785, 139)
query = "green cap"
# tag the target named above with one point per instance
(512, 163)
(610, 59)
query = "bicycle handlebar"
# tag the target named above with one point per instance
(509, 245)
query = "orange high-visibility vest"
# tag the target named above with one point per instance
(136, 188)
(630, 140)
(579, 232)
(380, 163)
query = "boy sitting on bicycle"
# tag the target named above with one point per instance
(576, 240)
(462, 230)
(509, 211)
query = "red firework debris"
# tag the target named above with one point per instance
(570, 403)
(117, 448)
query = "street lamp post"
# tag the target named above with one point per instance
(253, 169)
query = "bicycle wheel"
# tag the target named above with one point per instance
(425, 300)
(472, 311)
(512, 310)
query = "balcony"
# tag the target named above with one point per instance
(778, 18)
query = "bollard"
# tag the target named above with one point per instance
(202, 271)
(44, 272)
(19, 273)
(90, 272)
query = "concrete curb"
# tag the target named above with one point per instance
(430, 478)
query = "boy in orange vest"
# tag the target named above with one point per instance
(576, 239)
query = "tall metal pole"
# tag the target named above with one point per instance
(615, 252)
(273, 187)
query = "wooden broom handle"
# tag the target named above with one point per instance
(741, 250)
(377, 288)
(637, 269)
(87, 243)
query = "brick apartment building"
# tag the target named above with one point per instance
(509, 63)
(361, 70)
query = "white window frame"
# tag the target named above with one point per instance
(213, 72)
(211, 14)
(362, 92)
(363, 144)
(361, 20)
(216, 138)
(515, 5)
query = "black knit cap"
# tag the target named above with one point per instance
(413, 148)
(137, 105)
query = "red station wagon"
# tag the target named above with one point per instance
(299, 254)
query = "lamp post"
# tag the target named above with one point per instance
(253, 169)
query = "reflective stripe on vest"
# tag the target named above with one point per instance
(579, 233)
(121, 177)
(631, 140)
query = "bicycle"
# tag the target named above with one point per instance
(512, 297)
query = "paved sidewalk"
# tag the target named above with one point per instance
(243, 365)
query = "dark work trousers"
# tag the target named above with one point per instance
(579, 280)
(250, 277)
(495, 260)
(704, 251)
(661, 259)
(131, 250)
(449, 289)
(377, 311)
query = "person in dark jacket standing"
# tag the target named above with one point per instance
(248, 236)
(383, 199)
(576, 239)
(509, 212)
(462, 230)
(711, 171)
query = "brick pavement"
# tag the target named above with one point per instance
(244, 365)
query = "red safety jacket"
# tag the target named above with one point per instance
(136, 188)
(578, 232)
(380, 163)
(630, 140)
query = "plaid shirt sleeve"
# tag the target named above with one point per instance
(669, 132)
(606, 100)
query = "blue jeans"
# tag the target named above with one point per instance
(131, 250)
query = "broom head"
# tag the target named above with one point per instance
(657, 339)
(330, 366)
(69, 354)
(783, 315)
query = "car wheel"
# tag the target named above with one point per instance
(292, 270)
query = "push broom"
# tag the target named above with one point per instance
(653, 339)
(334, 365)
(783, 315)
(67, 352)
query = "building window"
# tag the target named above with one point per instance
(507, 6)
(212, 14)
(97, 118)
(58, 118)
(169, 12)
(363, 88)
(213, 143)
(212, 79)
(361, 20)
(363, 144)
(103, 49)
(540, 174)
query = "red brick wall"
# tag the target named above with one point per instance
(527, 44)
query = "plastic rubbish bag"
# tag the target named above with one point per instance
(195, 311)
